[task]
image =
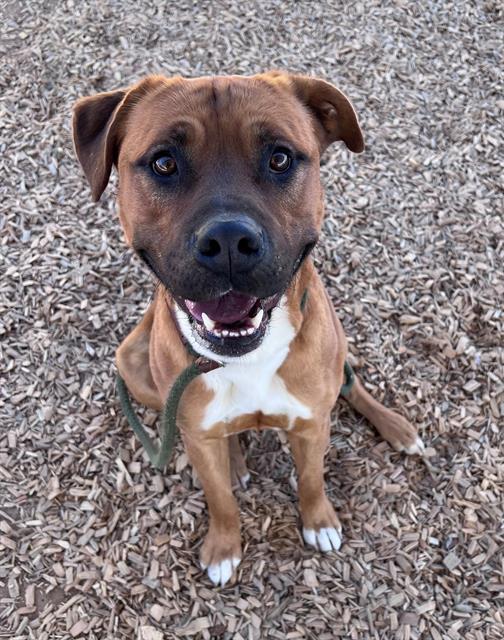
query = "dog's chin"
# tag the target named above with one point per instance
(231, 325)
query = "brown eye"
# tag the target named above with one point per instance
(164, 166)
(280, 161)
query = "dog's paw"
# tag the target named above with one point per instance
(324, 539)
(220, 573)
(240, 476)
(244, 481)
(399, 433)
(220, 555)
(321, 526)
(415, 449)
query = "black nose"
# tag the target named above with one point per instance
(230, 246)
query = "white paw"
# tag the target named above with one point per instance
(325, 539)
(244, 481)
(221, 572)
(415, 449)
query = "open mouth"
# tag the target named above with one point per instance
(234, 319)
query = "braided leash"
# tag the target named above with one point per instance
(159, 456)
(349, 374)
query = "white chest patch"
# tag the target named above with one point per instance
(251, 383)
(242, 389)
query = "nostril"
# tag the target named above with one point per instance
(209, 248)
(248, 246)
(229, 244)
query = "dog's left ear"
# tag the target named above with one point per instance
(335, 117)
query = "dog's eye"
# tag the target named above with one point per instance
(280, 161)
(164, 166)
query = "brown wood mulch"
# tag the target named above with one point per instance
(94, 543)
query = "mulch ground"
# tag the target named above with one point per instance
(95, 544)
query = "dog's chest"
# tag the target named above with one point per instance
(244, 389)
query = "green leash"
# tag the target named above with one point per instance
(159, 456)
(349, 374)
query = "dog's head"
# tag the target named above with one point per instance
(219, 188)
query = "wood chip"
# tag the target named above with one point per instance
(451, 561)
(157, 612)
(78, 628)
(310, 578)
(150, 633)
(197, 625)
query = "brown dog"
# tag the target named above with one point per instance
(220, 195)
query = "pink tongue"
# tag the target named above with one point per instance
(230, 308)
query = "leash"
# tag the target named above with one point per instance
(349, 374)
(159, 455)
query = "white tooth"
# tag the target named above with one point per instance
(225, 333)
(250, 331)
(257, 319)
(234, 334)
(243, 332)
(208, 322)
(217, 333)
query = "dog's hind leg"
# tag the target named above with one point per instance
(239, 472)
(390, 425)
(393, 428)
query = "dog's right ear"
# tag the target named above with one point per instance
(94, 136)
(97, 126)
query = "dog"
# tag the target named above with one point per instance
(220, 196)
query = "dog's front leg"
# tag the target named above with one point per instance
(221, 550)
(321, 527)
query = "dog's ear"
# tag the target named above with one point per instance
(93, 136)
(97, 127)
(335, 117)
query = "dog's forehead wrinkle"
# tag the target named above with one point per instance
(224, 117)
